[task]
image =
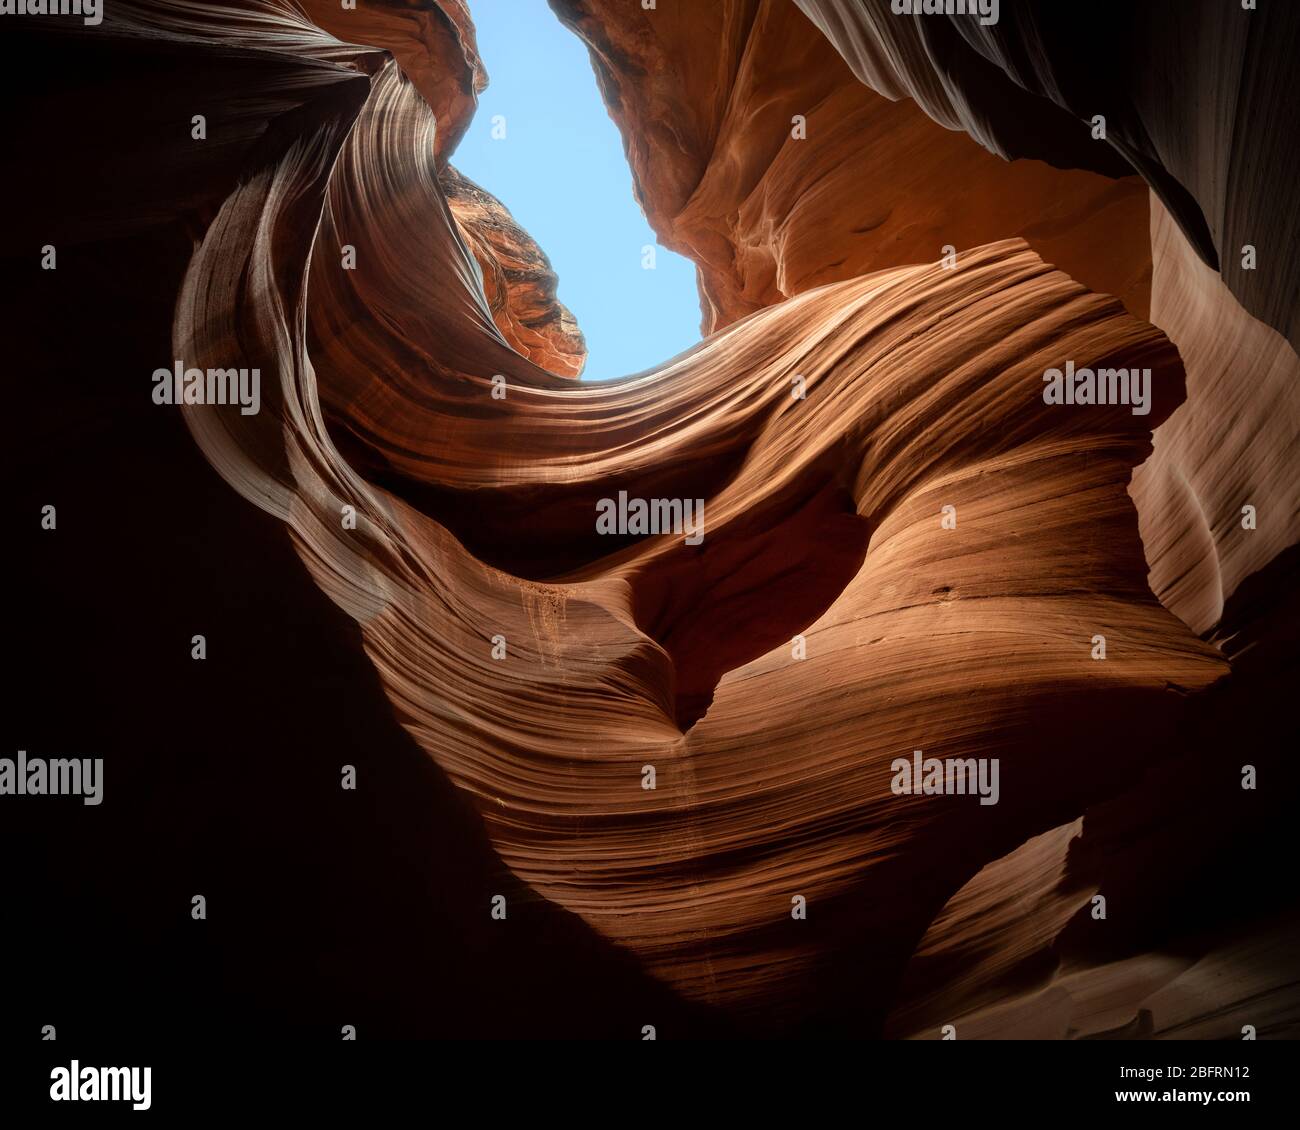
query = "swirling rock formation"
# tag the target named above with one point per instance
(904, 547)
(709, 100)
(1226, 449)
(517, 279)
(1203, 119)
(1196, 95)
(607, 666)
(432, 41)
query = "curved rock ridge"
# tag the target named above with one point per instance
(518, 281)
(922, 389)
(710, 98)
(432, 41)
(993, 936)
(1198, 96)
(1229, 447)
(1203, 116)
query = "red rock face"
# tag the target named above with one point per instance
(755, 153)
(431, 40)
(1224, 450)
(1190, 94)
(896, 545)
(517, 279)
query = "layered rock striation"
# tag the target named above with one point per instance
(690, 738)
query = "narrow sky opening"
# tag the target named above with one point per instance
(561, 171)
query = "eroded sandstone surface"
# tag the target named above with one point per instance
(899, 226)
